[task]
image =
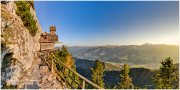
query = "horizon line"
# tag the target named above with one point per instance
(115, 45)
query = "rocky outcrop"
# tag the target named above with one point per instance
(19, 41)
(21, 67)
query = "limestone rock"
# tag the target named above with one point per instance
(19, 41)
(44, 68)
(28, 71)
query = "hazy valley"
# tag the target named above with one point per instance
(146, 55)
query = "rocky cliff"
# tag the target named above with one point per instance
(20, 65)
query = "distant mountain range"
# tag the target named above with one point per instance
(143, 61)
(146, 55)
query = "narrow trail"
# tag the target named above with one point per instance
(39, 76)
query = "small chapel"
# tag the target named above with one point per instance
(47, 40)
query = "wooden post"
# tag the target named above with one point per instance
(52, 69)
(83, 86)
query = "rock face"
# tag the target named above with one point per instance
(24, 48)
(23, 45)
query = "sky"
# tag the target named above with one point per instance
(96, 23)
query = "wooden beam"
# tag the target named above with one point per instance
(83, 86)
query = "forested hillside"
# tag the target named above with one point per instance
(141, 77)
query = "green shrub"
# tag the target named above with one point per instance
(9, 87)
(23, 10)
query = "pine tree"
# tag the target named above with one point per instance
(97, 73)
(166, 76)
(126, 81)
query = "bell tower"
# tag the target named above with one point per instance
(52, 30)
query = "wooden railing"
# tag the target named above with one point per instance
(65, 73)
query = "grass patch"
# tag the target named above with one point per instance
(23, 10)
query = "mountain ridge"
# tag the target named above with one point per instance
(147, 55)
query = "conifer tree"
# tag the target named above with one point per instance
(97, 73)
(68, 60)
(166, 77)
(126, 81)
